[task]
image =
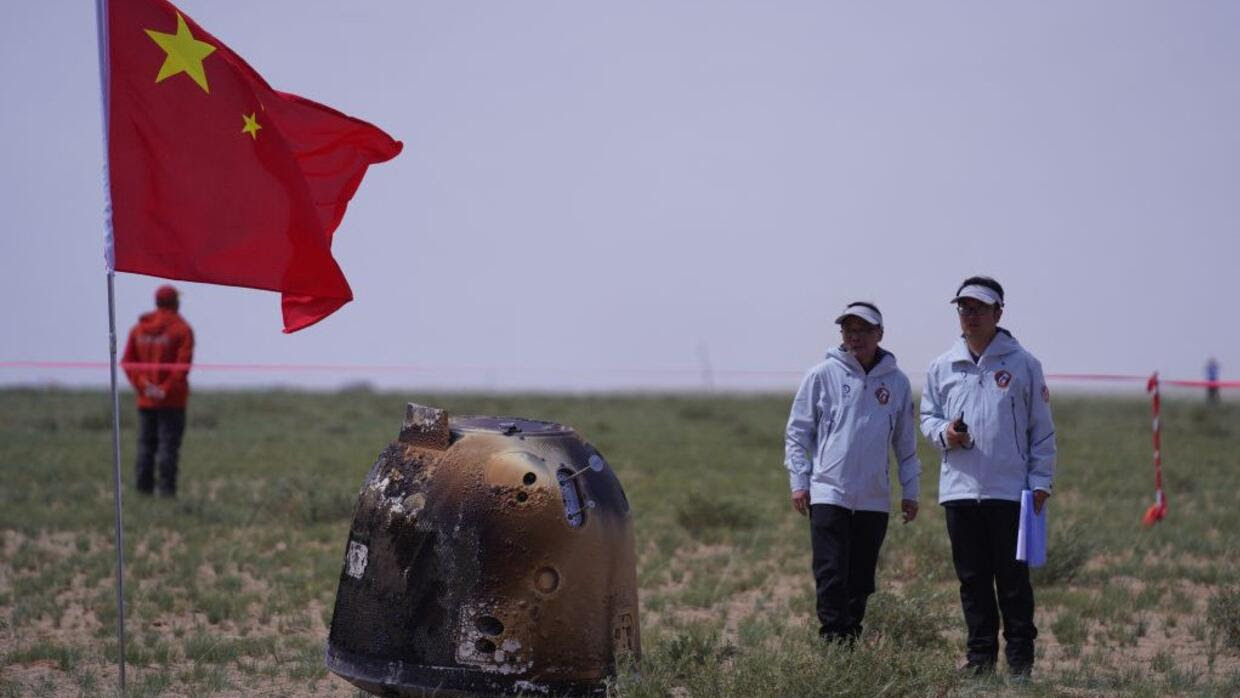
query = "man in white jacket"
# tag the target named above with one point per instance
(847, 411)
(987, 408)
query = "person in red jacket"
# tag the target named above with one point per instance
(157, 359)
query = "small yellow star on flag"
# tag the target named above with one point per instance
(251, 125)
(185, 54)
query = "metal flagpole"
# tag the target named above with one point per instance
(116, 488)
(101, 24)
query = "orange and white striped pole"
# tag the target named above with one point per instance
(1158, 510)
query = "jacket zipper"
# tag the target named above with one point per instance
(981, 377)
(858, 406)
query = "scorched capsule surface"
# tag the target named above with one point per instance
(487, 555)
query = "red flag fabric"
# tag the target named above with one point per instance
(217, 177)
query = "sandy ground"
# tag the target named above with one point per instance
(1168, 637)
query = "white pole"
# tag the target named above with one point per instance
(116, 488)
(101, 25)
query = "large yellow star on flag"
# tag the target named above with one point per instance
(251, 125)
(185, 54)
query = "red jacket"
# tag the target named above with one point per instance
(160, 337)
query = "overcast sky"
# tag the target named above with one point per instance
(600, 195)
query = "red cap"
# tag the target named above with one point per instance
(165, 295)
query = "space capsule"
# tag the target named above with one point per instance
(487, 555)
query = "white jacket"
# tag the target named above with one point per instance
(840, 425)
(1006, 406)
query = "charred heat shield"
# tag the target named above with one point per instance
(487, 555)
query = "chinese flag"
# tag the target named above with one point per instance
(217, 177)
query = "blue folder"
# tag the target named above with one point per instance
(1031, 539)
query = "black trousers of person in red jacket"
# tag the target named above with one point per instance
(159, 445)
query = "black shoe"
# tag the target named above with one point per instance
(1021, 671)
(975, 667)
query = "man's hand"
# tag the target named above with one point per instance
(154, 391)
(800, 502)
(1039, 499)
(955, 438)
(909, 509)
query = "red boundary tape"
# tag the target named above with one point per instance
(414, 368)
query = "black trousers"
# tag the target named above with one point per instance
(983, 536)
(845, 545)
(159, 445)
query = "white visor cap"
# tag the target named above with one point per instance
(981, 293)
(864, 312)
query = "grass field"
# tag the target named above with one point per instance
(230, 587)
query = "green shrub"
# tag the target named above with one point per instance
(914, 621)
(1069, 629)
(65, 656)
(710, 520)
(1223, 614)
(695, 648)
(696, 663)
(1067, 551)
